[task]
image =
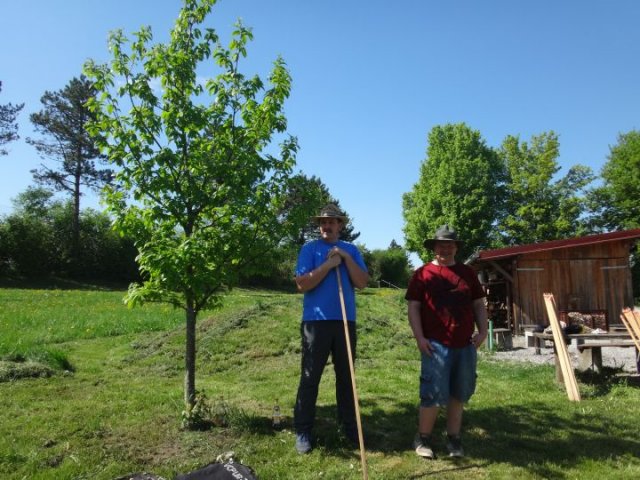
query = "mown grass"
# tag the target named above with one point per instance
(117, 410)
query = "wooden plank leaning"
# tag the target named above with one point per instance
(636, 314)
(631, 321)
(562, 355)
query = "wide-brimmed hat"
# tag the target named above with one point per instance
(330, 211)
(443, 234)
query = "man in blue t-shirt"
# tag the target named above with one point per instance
(322, 329)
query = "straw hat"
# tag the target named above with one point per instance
(331, 211)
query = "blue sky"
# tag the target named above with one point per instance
(370, 79)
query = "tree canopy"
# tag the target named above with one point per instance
(537, 206)
(615, 203)
(460, 184)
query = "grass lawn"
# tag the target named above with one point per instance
(108, 400)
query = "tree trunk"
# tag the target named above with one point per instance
(190, 357)
(75, 224)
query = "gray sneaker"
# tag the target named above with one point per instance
(423, 446)
(454, 445)
(303, 442)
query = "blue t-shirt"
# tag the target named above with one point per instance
(323, 302)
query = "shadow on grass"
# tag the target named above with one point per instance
(601, 383)
(533, 436)
(326, 433)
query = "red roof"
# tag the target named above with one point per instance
(555, 244)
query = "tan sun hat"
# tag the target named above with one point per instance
(443, 234)
(331, 211)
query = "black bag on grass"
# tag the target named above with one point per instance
(140, 476)
(220, 471)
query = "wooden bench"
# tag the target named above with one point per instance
(502, 338)
(539, 340)
(590, 353)
(589, 348)
(531, 339)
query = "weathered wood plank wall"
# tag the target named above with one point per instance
(592, 277)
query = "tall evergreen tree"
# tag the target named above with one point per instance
(8, 125)
(65, 140)
(460, 184)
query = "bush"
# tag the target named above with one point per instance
(39, 243)
(26, 246)
(388, 267)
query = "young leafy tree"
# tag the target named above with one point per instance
(65, 140)
(537, 207)
(460, 185)
(191, 155)
(8, 125)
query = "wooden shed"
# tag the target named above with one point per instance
(589, 275)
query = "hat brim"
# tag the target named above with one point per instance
(430, 242)
(342, 218)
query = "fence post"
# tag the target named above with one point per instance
(490, 339)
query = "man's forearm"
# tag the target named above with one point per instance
(358, 277)
(413, 312)
(310, 280)
(480, 316)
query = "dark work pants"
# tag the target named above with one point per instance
(319, 339)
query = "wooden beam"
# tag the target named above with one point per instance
(562, 355)
(516, 327)
(502, 271)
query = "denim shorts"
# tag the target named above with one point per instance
(447, 372)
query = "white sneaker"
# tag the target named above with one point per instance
(454, 445)
(422, 446)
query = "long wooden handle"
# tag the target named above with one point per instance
(356, 402)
